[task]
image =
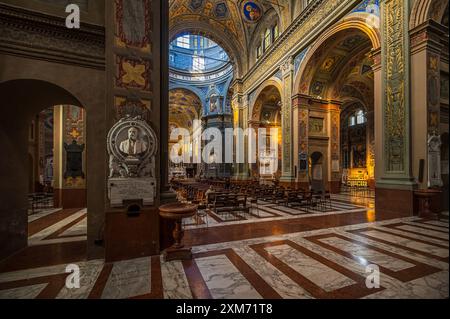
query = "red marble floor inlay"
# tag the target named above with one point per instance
(226, 233)
(419, 270)
(360, 232)
(357, 290)
(44, 222)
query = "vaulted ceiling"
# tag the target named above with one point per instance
(340, 61)
(230, 23)
(184, 108)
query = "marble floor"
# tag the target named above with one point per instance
(340, 254)
(57, 226)
(266, 211)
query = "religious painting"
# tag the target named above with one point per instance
(214, 102)
(252, 11)
(196, 4)
(221, 10)
(133, 24)
(359, 156)
(317, 88)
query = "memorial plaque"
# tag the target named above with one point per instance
(121, 190)
(132, 146)
(335, 167)
(434, 161)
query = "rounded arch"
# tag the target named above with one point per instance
(229, 44)
(174, 86)
(357, 21)
(272, 82)
(424, 10)
(21, 100)
(39, 96)
(185, 106)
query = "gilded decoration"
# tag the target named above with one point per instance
(74, 139)
(395, 74)
(303, 127)
(287, 70)
(133, 73)
(132, 107)
(292, 38)
(434, 100)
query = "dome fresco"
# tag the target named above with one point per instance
(196, 54)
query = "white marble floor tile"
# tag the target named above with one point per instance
(370, 255)
(130, 278)
(224, 280)
(27, 292)
(320, 274)
(282, 284)
(427, 248)
(175, 283)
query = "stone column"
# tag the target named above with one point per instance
(239, 115)
(426, 49)
(136, 85)
(300, 105)
(253, 168)
(374, 123)
(334, 146)
(395, 183)
(287, 69)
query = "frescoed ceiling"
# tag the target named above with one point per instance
(267, 107)
(335, 61)
(230, 23)
(184, 107)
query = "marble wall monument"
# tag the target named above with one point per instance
(434, 161)
(132, 147)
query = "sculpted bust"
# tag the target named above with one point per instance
(134, 145)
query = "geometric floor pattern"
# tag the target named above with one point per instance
(411, 255)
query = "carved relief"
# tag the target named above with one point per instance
(433, 93)
(132, 146)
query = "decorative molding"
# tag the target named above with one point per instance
(293, 39)
(39, 36)
(395, 68)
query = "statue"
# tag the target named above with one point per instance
(134, 145)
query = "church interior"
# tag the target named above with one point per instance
(224, 149)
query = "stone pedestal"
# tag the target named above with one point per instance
(176, 212)
(131, 233)
(425, 198)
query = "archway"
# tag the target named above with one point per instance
(185, 107)
(338, 78)
(266, 120)
(20, 109)
(318, 172)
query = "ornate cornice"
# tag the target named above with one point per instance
(301, 32)
(36, 35)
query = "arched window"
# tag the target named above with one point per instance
(357, 118)
(267, 39)
(259, 51)
(360, 117)
(275, 32)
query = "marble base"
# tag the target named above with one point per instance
(171, 254)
